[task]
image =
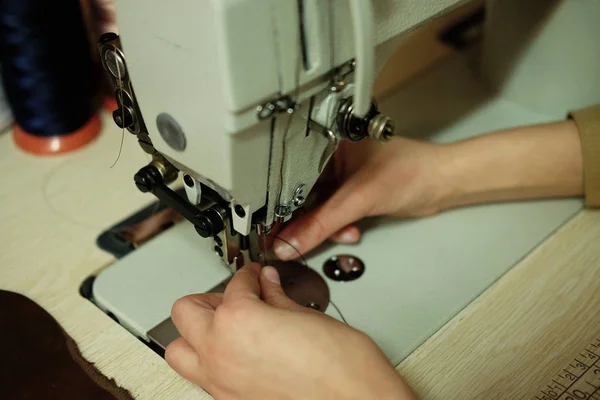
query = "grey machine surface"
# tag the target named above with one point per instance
(418, 273)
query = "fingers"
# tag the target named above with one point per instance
(346, 206)
(185, 361)
(347, 235)
(271, 291)
(105, 13)
(193, 314)
(244, 283)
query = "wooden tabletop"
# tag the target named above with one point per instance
(51, 211)
(507, 344)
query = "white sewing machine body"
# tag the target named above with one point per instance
(246, 87)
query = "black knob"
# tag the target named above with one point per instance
(108, 37)
(204, 227)
(123, 117)
(147, 178)
(351, 126)
(210, 223)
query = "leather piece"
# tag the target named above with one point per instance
(40, 361)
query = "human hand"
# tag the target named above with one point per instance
(399, 178)
(408, 178)
(253, 342)
(105, 16)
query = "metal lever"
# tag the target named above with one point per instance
(207, 223)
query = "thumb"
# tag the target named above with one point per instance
(349, 204)
(271, 291)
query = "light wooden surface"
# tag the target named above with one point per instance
(51, 211)
(505, 345)
(521, 332)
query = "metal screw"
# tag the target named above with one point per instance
(142, 184)
(299, 197)
(343, 268)
(286, 104)
(210, 222)
(265, 111)
(283, 211)
(204, 228)
(282, 104)
(338, 86)
(299, 201)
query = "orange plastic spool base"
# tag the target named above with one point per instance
(58, 144)
(110, 104)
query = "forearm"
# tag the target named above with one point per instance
(543, 161)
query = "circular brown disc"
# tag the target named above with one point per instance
(303, 285)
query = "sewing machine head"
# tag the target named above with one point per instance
(249, 100)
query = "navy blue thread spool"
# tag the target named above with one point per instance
(47, 72)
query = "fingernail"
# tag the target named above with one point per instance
(347, 237)
(271, 275)
(287, 251)
(255, 266)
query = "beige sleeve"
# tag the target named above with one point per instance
(588, 124)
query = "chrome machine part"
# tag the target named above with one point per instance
(374, 124)
(303, 139)
(283, 212)
(230, 246)
(128, 114)
(333, 142)
(212, 219)
(282, 104)
(193, 189)
(381, 128)
(343, 268)
(299, 196)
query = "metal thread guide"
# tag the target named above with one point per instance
(579, 380)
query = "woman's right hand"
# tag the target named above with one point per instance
(408, 178)
(399, 178)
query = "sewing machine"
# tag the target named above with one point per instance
(246, 101)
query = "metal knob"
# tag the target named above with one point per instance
(381, 128)
(211, 222)
(123, 117)
(374, 125)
